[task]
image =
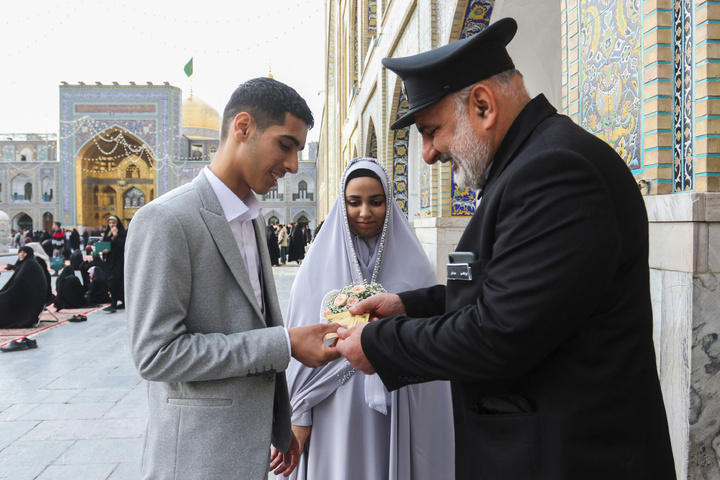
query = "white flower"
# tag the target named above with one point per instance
(340, 300)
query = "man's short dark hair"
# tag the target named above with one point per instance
(267, 100)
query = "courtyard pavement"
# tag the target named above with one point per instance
(75, 407)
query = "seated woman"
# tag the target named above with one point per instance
(76, 258)
(359, 430)
(23, 296)
(97, 292)
(70, 290)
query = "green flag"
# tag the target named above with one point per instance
(189, 67)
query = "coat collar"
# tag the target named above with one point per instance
(537, 110)
(219, 228)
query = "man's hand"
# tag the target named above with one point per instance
(302, 433)
(308, 346)
(379, 306)
(350, 347)
(286, 462)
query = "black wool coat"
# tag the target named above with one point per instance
(549, 347)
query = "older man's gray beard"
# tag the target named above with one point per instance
(471, 154)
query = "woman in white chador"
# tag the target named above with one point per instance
(347, 423)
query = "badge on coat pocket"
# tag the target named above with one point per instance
(459, 266)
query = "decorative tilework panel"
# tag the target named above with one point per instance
(372, 19)
(610, 97)
(356, 44)
(400, 158)
(683, 148)
(143, 129)
(477, 18)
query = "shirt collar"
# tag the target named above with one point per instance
(233, 207)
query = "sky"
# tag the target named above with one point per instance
(44, 42)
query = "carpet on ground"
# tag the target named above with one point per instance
(49, 318)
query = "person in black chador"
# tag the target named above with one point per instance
(297, 244)
(272, 244)
(76, 258)
(70, 290)
(23, 296)
(97, 292)
(115, 259)
(74, 293)
(74, 239)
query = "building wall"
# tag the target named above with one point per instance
(39, 168)
(288, 204)
(644, 77)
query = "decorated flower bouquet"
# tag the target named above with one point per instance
(350, 295)
(339, 302)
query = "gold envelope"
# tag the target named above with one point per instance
(346, 319)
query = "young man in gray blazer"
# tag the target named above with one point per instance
(205, 326)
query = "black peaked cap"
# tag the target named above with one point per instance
(429, 76)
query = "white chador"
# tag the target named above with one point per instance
(359, 430)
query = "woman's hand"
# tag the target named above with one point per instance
(285, 463)
(302, 434)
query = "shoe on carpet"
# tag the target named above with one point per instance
(77, 318)
(110, 309)
(17, 345)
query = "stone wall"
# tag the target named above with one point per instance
(685, 288)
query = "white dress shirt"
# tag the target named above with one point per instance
(240, 214)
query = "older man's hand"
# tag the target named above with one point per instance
(379, 306)
(350, 347)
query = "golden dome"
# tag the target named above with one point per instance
(198, 114)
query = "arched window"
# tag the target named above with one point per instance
(26, 155)
(47, 190)
(107, 198)
(272, 194)
(302, 190)
(134, 198)
(273, 220)
(132, 171)
(96, 196)
(19, 188)
(28, 191)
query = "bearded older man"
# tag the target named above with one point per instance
(545, 325)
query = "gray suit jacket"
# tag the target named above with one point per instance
(213, 361)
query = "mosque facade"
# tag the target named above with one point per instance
(29, 174)
(643, 76)
(119, 147)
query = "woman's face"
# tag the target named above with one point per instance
(112, 223)
(22, 255)
(366, 206)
